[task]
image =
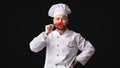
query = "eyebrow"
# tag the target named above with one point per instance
(62, 17)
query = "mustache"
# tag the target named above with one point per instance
(59, 24)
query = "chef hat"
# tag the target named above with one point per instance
(59, 8)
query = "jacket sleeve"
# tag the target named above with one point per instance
(86, 48)
(39, 42)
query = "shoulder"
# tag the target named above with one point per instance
(74, 33)
(53, 33)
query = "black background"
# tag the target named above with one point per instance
(24, 20)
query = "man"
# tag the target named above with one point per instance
(62, 44)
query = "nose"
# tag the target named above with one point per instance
(60, 20)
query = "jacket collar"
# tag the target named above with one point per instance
(66, 33)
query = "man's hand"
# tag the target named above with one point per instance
(75, 62)
(49, 28)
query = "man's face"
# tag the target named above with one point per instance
(60, 18)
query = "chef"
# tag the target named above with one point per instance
(62, 44)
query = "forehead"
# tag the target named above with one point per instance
(60, 15)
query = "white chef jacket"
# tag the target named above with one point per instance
(61, 50)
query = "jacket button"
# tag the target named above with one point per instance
(57, 36)
(67, 56)
(56, 64)
(57, 45)
(57, 55)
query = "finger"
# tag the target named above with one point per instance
(51, 26)
(46, 26)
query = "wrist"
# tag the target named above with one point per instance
(46, 32)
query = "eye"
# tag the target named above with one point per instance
(57, 18)
(64, 18)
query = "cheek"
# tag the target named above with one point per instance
(65, 22)
(54, 21)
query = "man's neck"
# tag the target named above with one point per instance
(61, 31)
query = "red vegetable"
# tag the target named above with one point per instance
(59, 24)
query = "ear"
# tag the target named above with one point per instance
(67, 21)
(53, 20)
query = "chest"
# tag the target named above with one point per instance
(62, 44)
